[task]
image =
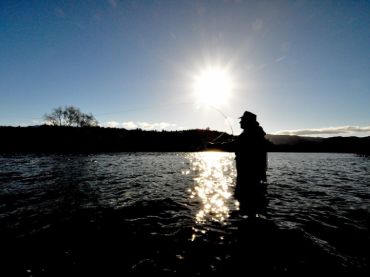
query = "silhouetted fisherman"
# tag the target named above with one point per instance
(251, 163)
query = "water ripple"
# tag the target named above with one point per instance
(171, 213)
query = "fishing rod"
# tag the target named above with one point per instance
(227, 121)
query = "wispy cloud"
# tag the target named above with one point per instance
(173, 36)
(113, 3)
(59, 12)
(280, 59)
(258, 24)
(233, 1)
(326, 131)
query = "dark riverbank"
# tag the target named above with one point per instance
(49, 139)
(281, 143)
(54, 139)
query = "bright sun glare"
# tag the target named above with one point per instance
(212, 86)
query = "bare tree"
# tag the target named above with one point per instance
(88, 120)
(70, 116)
(56, 117)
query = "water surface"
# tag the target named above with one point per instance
(174, 213)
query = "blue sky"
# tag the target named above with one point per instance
(302, 66)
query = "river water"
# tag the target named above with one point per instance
(175, 214)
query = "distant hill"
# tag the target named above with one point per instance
(291, 140)
(285, 143)
(50, 139)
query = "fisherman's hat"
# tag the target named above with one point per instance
(249, 116)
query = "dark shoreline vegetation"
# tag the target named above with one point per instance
(64, 139)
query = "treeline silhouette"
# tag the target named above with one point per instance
(99, 139)
(66, 139)
(284, 143)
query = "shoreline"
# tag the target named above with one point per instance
(61, 139)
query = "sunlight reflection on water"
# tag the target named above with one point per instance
(213, 185)
(50, 205)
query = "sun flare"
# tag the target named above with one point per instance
(212, 86)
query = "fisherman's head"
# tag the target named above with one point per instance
(248, 119)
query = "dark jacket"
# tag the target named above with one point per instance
(250, 154)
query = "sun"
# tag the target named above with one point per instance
(212, 86)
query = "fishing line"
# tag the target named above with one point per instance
(227, 121)
(226, 118)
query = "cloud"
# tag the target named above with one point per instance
(113, 3)
(326, 131)
(112, 124)
(280, 59)
(233, 1)
(258, 25)
(129, 125)
(59, 12)
(173, 36)
(159, 126)
(285, 47)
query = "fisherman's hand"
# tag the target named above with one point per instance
(210, 145)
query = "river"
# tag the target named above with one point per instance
(174, 213)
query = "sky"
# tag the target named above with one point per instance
(303, 67)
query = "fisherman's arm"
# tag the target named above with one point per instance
(224, 146)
